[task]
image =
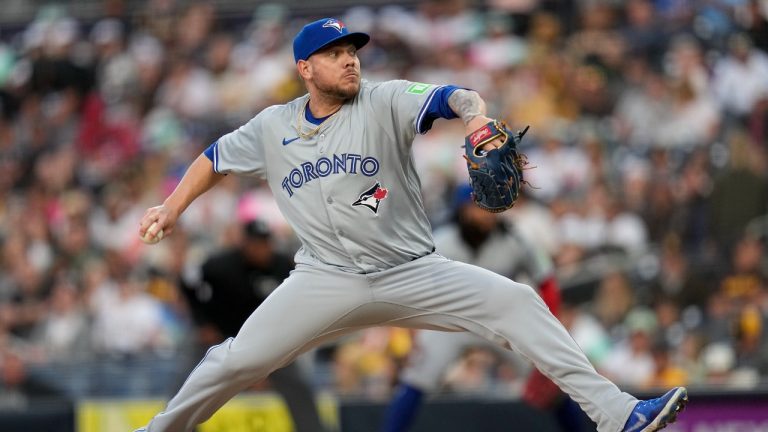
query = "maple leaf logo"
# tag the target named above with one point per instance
(380, 193)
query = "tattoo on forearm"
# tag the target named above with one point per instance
(466, 104)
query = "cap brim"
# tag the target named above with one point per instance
(358, 39)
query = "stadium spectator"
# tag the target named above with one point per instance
(18, 389)
(740, 76)
(631, 360)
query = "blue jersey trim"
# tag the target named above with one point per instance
(312, 119)
(435, 107)
(212, 153)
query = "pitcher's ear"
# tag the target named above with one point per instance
(304, 68)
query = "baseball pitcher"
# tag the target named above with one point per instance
(338, 161)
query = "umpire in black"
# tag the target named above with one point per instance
(233, 282)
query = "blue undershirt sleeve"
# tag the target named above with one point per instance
(436, 107)
(210, 151)
(212, 154)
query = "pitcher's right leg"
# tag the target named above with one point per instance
(306, 307)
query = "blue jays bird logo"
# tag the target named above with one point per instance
(372, 197)
(334, 23)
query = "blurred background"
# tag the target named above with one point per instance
(649, 137)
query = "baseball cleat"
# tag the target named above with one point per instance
(655, 414)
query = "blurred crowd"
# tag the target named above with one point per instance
(649, 177)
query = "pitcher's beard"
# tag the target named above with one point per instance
(340, 92)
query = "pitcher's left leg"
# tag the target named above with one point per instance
(452, 295)
(528, 326)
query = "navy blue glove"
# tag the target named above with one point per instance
(496, 175)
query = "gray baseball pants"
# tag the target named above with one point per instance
(318, 303)
(435, 351)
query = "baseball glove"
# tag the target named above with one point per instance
(496, 175)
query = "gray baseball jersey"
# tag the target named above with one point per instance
(352, 196)
(350, 192)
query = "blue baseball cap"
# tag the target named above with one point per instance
(319, 34)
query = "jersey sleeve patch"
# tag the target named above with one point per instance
(418, 88)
